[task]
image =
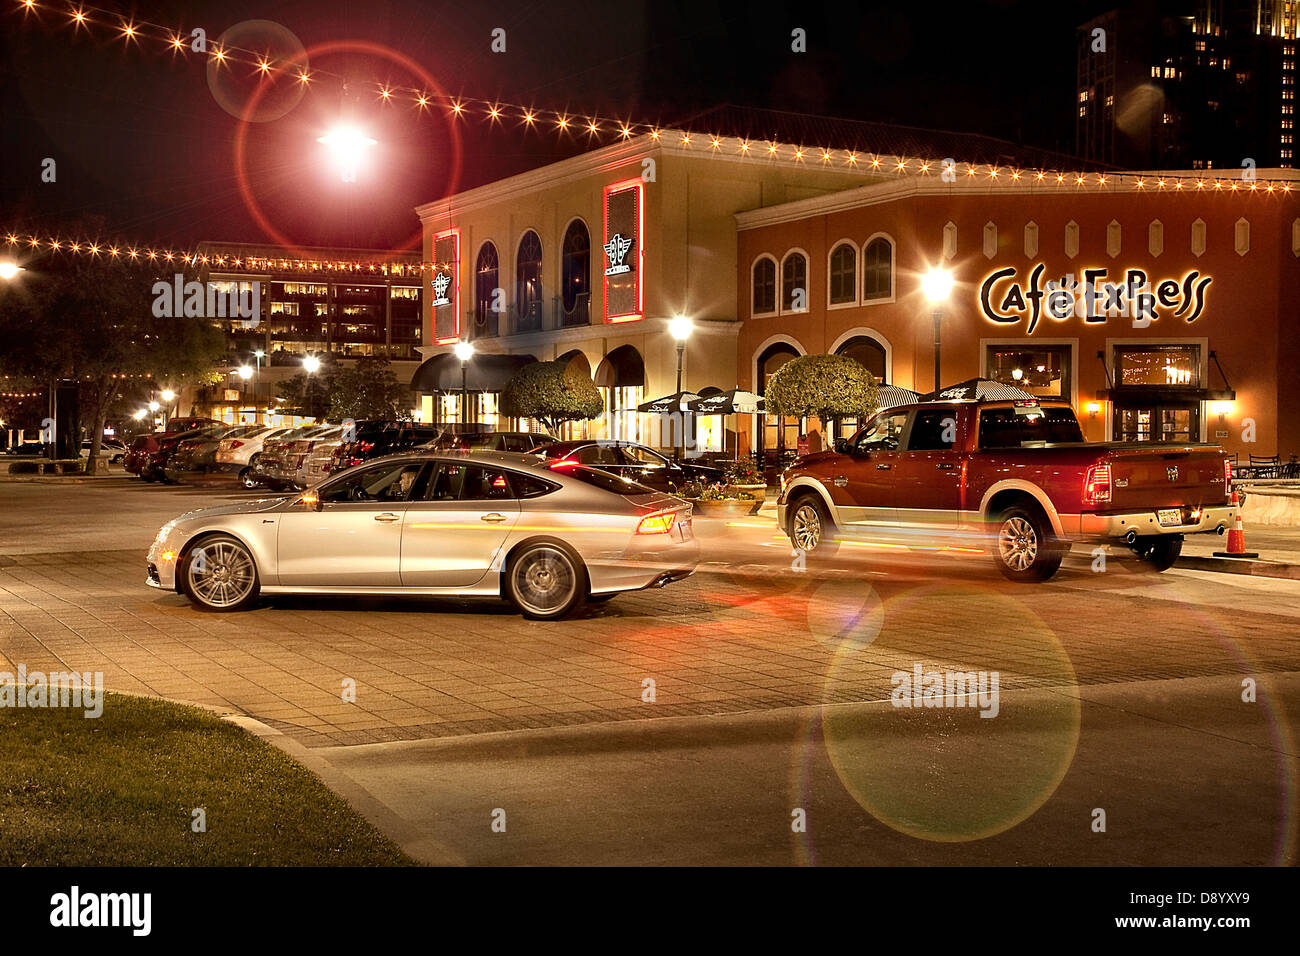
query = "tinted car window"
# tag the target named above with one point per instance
(456, 482)
(1003, 428)
(391, 482)
(597, 455)
(933, 430)
(606, 481)
(642, 456)
(529, 486)
(883, 434)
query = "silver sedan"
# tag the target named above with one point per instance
(545, 535)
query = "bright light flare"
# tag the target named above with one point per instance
(349, 147)
(9, 269)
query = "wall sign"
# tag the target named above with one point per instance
(624, 251)
(444, 284)
(1091, 297)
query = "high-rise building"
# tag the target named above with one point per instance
(1196, 84)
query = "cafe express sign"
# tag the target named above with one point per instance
(1091, 296)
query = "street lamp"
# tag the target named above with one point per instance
(680, 328)
(10, 269)
(348, 146)
(464, 351)
(311, 365)
(937, 286)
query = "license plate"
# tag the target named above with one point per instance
(1169, 517)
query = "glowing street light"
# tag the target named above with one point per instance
(139, 414)
(349, 146)
(937, 286)
(464, 351)
(680, 328)
(245, 372)
(9, 269)
(168, 395)
(311, 365)
(154, 406)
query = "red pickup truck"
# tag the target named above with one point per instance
(1018, 474)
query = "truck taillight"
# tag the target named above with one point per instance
(657, 524)
(1227, 476)
(1096, 485)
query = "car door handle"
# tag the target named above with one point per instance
(388, 516)
(494, 517)
(883, 467)
(945, 465)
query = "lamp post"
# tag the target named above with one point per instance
(168, 396)
(245, 373)
(937, 286)
(311, 365)
(680, 328)
(464, 351)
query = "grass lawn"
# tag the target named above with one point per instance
(119, 791)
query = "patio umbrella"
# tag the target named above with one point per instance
(894, 395)
(736, 401)
(978, 389)
(675, 402)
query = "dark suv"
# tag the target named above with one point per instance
(140, 457)
(376, 439)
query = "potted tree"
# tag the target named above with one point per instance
(553, 393)
(720, 499)
(828, 387)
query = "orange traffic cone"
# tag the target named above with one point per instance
(1237, 535)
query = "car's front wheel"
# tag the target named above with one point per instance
(810, 528)
(1025, 549)
(545, 581)
(219, 574)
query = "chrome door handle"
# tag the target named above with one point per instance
(494, 517)
(388, 516)
(883, 467)
(944, 464)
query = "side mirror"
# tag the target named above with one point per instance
(842, 446)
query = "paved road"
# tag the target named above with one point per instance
(730, 687)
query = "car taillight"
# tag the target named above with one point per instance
(564, 463)
(1096, 485)
(365, 445)
(236, 444)
(657, 524)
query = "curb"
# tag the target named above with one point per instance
(1262, 569)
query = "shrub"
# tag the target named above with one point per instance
(830, 387)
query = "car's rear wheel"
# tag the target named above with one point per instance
(219, 574)
(544, 581)
(247, 479)
(810, 527)
(1159, 553)
(1025, 549)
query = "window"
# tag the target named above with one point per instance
(528, 276)
(883, 434)
(575, 274)
(597, 455)
(1007, 428)
(1161, 366)
(878, 269)
(456, 482)
(390, 482)
(844, 274)
(764, 286)
(487, 272)
(933, 430)
(794, 283)
(1044, 372)
(643, 456)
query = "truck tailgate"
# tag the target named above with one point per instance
(1155, 477)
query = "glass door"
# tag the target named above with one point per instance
(1168, 423)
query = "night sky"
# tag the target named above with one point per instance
(140, 137)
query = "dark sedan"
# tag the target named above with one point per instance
(630, 460)
(524, 442)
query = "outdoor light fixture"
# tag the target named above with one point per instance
(311, 364)
(348, 146)
(154, 406)
(245, 372)
(1017, 373)
(9, 269)
(680, 328)
(137, 415)
(1093, 409)
(937, 286)
(1221, 409)
(168, 395)
(464, 351)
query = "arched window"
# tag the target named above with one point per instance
(878, 269)
(778, 435)
(487, 273)
(844, 274)
(871, 355)
(794, 283)
(575, 277)
(528, 280)
(764, 286)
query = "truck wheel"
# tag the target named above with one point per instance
(810, 528)
(1024, 549)
(1159, 553)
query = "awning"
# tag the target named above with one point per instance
(978, 389)
(486, 372)
(621, 368)
(1165, 394)
(676, 402)
(733, 402)
(891, 396)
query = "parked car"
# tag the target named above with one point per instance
(200, 454)
(636, 462)
(268, 467)
(155, 465)
(28, 449)
(375, 439)
(492, 441)
(315, 465)
(281, 469)
(1018, 474)
(110, 448)
(545, 535)
(238, 454)
(144, 447)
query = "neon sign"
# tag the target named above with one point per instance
(1090, 297)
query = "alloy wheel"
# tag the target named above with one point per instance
(1017, 543)
(807, 527)
(220, 575)
(544, 580)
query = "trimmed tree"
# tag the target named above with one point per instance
(553, 393)
(829, 387)
(369, 389)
